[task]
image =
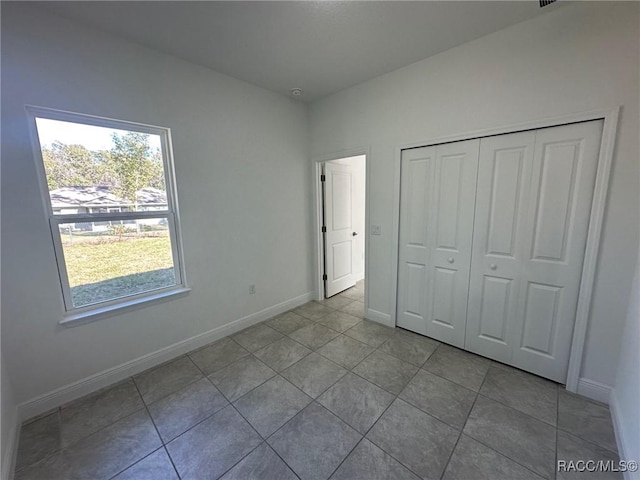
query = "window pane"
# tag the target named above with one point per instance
(92, 169)
(109, 260)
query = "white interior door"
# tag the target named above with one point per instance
(437, 205)
(563, 175)
(340, 234)
(504, 172)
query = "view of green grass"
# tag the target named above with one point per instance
(107, 267)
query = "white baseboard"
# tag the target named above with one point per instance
(624, 450)
(594, 390)
(10, 452)
(90, 384)
(376, 316)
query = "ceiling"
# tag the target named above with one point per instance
(319, 46)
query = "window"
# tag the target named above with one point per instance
(109, 191)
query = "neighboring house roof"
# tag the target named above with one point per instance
(84, 196)
(150, 195)
(101, 196)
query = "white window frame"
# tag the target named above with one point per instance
(71, 314)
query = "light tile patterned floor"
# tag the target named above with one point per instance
(320, 393)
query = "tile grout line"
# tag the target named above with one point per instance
(161, 447)
(313, 400)
(315, 322)
(60, 449)
(506, 456)
(487, 446)
(166, 451)
(348, 453)
(487, 397)
(453, 450)
(322, 406)
(493, 449)
(269, 436)
(257, 386)
(277, 374)
(252, 450)
(264, 439)
(59, 420)
(173, 391)
(322, 392)
(288, 366)
(396, 397)
(590, 442)
(555, 385)
(461, 431)
(517, 410)
(229, 403)
(78, 440)
(464, 426)
(249, 391)
(375, 349)
(344, 366)
(164, 445)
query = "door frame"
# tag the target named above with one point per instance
(610, 117)
(318, 246)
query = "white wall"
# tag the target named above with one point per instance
(625, 398)
(358, 164)
(577, 58)
(8, 422)
(243, 187)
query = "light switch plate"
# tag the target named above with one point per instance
(375, 230)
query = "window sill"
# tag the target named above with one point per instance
(73, 319)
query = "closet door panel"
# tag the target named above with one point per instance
(450, 185)
(451, 218)
(540, 317)
(494, 308)
(564, 169)
(504, 172)
(417, 170)
(444, 296)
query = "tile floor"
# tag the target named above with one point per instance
(319, 393)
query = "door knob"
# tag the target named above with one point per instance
(450, 260)
(493, 266)
(354, 234)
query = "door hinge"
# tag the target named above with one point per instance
(324, 229)
(324, 277)
(323, 177)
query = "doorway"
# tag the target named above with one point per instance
(341, 226)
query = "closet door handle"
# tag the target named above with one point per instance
(450, 260)
(493, 266)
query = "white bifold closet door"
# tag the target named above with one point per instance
(504, 176)
(436, 228)
(492, 239)
(532, 216)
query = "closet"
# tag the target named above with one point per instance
(492, 239)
